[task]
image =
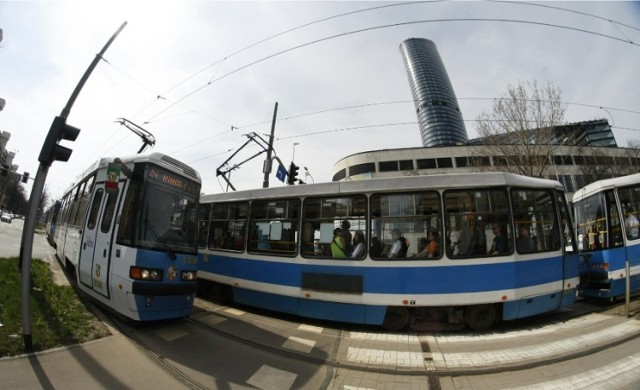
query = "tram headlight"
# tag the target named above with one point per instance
(187, 276)
(148, 274)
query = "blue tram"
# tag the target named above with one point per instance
(469, 249)
(127, 230)
(608, 231)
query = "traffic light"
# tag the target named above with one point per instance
(25, 177)
(293, 173)
(51, 150)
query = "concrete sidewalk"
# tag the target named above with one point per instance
(114, 362)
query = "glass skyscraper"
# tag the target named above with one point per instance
(439, 115)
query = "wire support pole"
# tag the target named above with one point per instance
(267, 161)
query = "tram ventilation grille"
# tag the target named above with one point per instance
(187, 170)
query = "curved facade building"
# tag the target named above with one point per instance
(439, 116)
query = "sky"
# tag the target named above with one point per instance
(203, 75)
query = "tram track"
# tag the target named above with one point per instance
(431, 348)
(215, 320)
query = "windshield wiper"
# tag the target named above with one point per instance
(171, 254)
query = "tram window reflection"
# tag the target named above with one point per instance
(323, 215)
(400, 221)
(478, 223)
(273, 227)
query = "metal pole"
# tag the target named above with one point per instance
(267, 161)
(293, 155)
(26, 247)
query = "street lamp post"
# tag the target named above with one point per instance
(308, 174)
(293, 155)
(50, 152)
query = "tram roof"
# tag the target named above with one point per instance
(147, 157)
(404, 183)
(605, 184)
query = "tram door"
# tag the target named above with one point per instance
(96, 243)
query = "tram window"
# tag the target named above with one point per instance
(536, 220)
(109, 210)
(273, 227)
(75, 203)
(597, 222)
(83, 202)
(630, 201)
(64, 213)
(203, 224)
(402, 224)
(321, 216)
(613, 219)
(157, 215)
(472, 221)
(95, 208)
(227, 229)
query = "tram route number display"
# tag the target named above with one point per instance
(161, 176)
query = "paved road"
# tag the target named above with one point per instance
(11, 238)
(11, 234)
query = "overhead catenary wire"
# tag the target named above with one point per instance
(368, 9)
(372, 28)
(174, 103)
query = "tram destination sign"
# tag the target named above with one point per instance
(170, 179)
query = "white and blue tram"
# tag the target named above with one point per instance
(127, 230)
(271, 248)
(606, 215)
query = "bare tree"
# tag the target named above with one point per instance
(598, 164)
(519, 132)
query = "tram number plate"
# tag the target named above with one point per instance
(190, 260)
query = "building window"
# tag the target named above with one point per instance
(484, 161)
(362, 168)
(427, 163)
(562, 160)
(605, 160)
(341, 174)
(388, 166)
(499, 161)
(462, 162)
(445, 162)
(624, 161)
(406, 165)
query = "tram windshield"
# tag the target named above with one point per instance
(160, 211)
(598, 222)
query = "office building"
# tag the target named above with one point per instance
(439, 116)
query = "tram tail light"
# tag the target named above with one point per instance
(188, 276)
(148, 274)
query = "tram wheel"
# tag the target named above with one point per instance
(396, 318)
(480, 317)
